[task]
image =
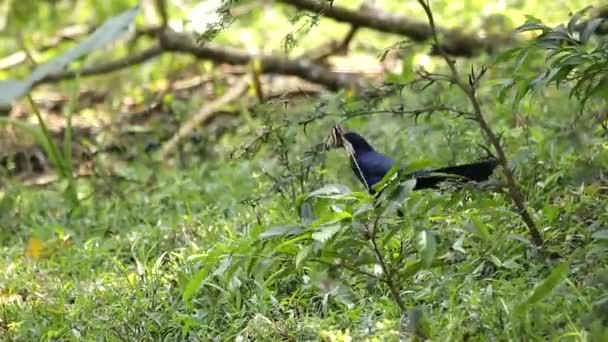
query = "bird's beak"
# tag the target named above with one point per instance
(335, 138)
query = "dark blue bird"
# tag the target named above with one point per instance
(370, 166)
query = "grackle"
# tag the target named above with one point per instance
(370, 166)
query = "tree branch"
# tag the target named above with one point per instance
(459, 44)
(302, 68)
(105, 68)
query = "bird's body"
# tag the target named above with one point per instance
(371, 166)
(368, 165)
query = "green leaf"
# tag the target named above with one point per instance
(479, 228)
(495, 260)
(330, 191)
(428, 247)
(532, 25)
(330, 218)
(302, 255)
(506, 55)
(326, 232)
(590, 28)
(293, 229)
(388, 178)
(224, 265)
(522, 58)
(195, 282)
(507, 85)
(545, 288)
(523, 89)
(291, 242)
(411, 268)
(576, 18)
(600, 235)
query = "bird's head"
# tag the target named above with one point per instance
(348, 140)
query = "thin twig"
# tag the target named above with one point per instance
(413, 112)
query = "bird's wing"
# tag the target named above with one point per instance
(373, 165)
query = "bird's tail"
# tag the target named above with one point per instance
(477, 172)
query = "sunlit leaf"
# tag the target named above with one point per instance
(292, 241)
(411, 268)
(330, 218)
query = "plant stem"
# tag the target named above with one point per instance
(388, 274)
(469, 90)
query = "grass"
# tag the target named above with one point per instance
(236, 249)
(176, 255)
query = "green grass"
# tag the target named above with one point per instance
(215, 248)
(176, 254)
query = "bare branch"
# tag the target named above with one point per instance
(461, 44)
(303, 68)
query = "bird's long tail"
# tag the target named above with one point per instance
(477, 172)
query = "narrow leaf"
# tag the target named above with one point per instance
(576, 18)
(428, 247)
(590, 28)
(600, 235)
(545, 288)
(330, 190)
(326, 232)
(281, 231)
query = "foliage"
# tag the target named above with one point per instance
(569, 59)
(277, 241)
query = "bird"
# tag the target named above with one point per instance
(370, 166)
